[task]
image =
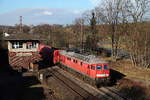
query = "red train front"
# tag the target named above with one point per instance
(95, 70)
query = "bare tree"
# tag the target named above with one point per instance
(81, 25)
(138, 36)
(79, 30)
(124, 18)
(137, 9)
(113, 14)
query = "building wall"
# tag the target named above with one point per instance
(22, 57)
(24, 49)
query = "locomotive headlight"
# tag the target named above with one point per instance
(102, 75)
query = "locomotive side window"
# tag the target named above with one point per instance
(99, 67)
(81, 63)
(75, 61)
(68, 58)
(93, 67)
(105, 67)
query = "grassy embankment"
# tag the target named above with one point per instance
(136, 83)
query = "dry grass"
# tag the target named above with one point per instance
(136, 83)
(125, 67)
(131, 72)
(134, 90)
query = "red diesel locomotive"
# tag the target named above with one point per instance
(96, 71)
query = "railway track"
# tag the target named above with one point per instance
(107, 92)
(117, 93)
(112, 93)
(81, 92)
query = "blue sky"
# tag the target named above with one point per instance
(43, 11)
(9, 5)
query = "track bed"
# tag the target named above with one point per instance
(73, 86)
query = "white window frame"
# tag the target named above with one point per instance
(17, 45)
(32, 46)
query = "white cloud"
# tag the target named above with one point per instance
(48, 13)
(76, 12)
(95, 2)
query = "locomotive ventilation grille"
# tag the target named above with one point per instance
(90, 59)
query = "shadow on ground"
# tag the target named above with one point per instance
(134, 90)
(115, 76)
(14, 86)
(135, 93)
(30, 91)
(46, 54)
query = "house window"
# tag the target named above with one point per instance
(16, 45)
(31, 45)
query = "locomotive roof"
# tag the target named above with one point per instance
(90, 59)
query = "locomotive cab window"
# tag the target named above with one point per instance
(99, 67)
(105, 67)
